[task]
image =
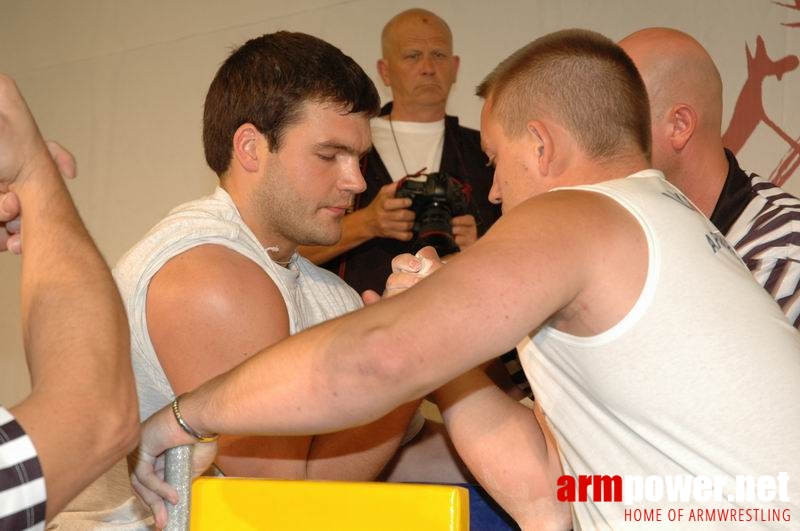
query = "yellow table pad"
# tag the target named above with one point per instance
(238, 504)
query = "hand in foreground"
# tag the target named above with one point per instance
(465, 230)
(408, 269)
(10, 220)
(389, 216)
(10, 223)
(21, 145)
(160, 433)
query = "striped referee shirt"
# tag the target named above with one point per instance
(22, 488)
(762, 222)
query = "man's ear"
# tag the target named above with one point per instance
(383, 71)
(541, 142)
(245, 146)
(682, 125)
(456, 64)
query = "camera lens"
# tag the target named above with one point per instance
(435, 229)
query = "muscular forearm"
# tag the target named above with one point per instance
(355, 231)
(359, 454)
(505, 448)
(76, 340)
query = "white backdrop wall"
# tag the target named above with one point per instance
(122, 84)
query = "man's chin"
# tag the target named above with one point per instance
(323, 240)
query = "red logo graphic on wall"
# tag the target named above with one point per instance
(749, 111)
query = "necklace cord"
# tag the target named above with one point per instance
(400, 153)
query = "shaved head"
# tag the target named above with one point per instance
(412, 17)
(685, 91)
(677, 69)
(418, 65)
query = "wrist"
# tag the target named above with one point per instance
(39, 169)
(186, 427)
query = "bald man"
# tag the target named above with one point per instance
(412, 135)
(758, 218)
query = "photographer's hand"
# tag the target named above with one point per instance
(465, 230)
(390, 217)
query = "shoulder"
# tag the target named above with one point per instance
(209, 219)
(773, 193)
(212, 279)
(570, 220)
(207, 310)
(452, 123)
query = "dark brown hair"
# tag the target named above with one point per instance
(579, 78)
(266, 82)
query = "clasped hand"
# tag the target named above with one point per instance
(10, 208)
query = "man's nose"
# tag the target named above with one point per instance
(427, 65)
(352, 180)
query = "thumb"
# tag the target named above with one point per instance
(389, 189)
(429, 253)
(9, 206)
(370, 297)
(65, 161)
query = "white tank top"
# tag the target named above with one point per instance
(311, 294)
(702, 377)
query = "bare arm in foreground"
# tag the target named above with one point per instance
(82, 401)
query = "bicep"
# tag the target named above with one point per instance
(208, 310)
(514, 279)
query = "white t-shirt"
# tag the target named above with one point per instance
(420, 145)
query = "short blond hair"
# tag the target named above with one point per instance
(580, 79)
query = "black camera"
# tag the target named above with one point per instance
(435, 199)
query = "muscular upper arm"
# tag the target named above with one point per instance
(208, 310)
(553, 259)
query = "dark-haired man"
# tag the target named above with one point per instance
(641, 329)
(220, 279)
